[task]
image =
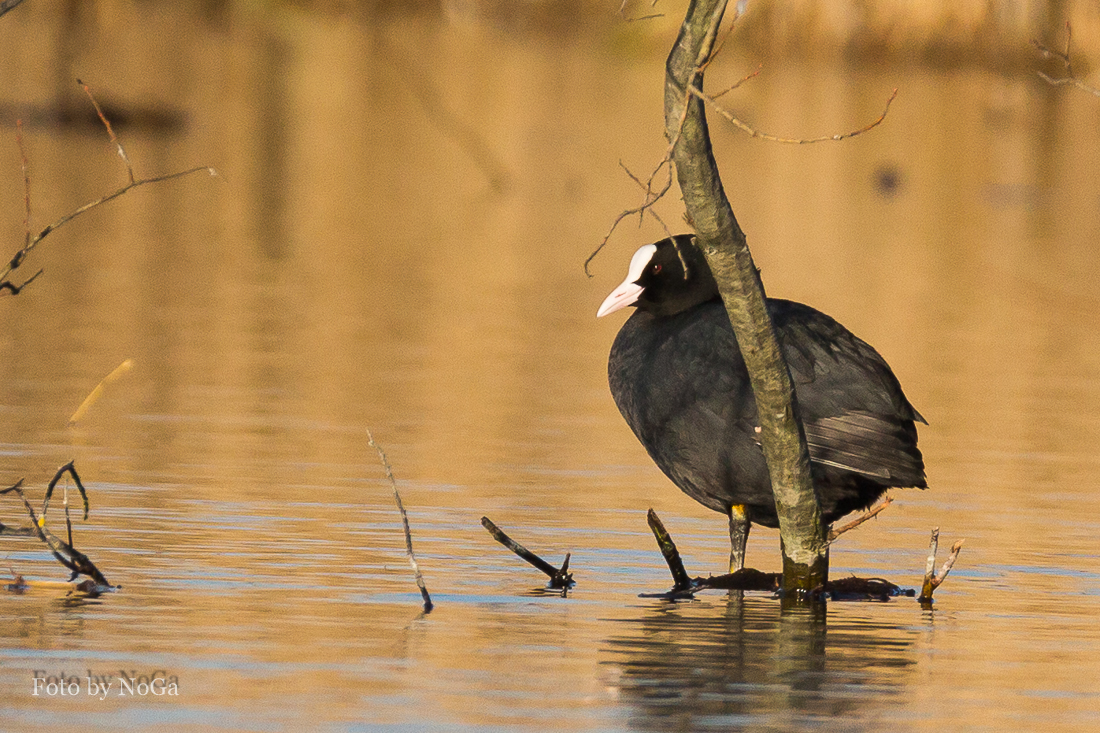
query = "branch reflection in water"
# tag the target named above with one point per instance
(740, 662)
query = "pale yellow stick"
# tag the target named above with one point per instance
(96, 393)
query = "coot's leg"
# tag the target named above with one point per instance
(739, 536)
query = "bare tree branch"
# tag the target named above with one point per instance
(1070, 79)
(680, 578)
(31, 242)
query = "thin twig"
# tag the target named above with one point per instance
(752, 132)
(559, 578)
(110, 132)
(651, 197)
(648, 188)
(740, 82)
(26, 183)
(17, 289)
(428, 605)
(870, 513)
(1071, 81)
(622, 13)
(98, 202)
(647, 205)
(17, 531)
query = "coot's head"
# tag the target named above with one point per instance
(657, 282)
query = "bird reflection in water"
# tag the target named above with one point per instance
(750, 665)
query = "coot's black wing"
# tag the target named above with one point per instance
(855, 414)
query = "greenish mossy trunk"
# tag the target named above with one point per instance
(802, 532)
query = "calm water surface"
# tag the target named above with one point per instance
(354, 267)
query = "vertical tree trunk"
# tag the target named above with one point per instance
(802, 532)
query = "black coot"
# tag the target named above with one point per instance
(680, 381)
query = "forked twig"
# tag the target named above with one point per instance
(63, 552)
(70, 469)
(651, 198)
(428, 605)
(934, 580)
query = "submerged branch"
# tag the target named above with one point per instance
(560, 579)
(747, 579)
(64, 552)
(681, 580)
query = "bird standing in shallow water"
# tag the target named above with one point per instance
(678, 378)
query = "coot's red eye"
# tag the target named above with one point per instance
(656, 269)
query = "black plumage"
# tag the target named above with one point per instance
(678, 378)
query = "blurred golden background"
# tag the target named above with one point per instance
(406, 196)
